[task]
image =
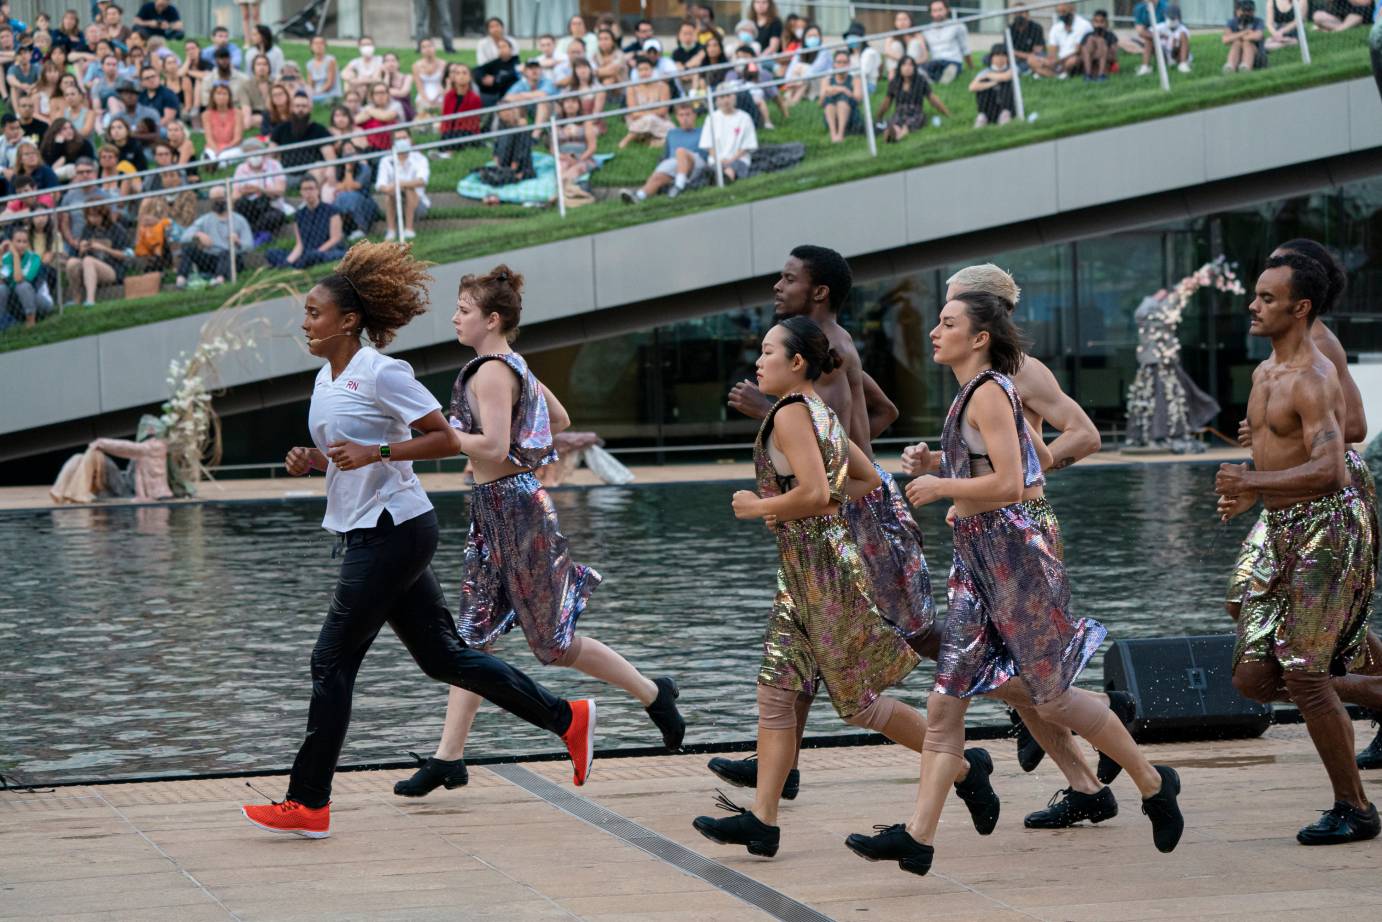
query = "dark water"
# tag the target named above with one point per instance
(172, 640)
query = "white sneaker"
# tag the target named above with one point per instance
(390, 236)
(356, 234)
(1063, 75)
(1183, 67)
(409, 234)
(181, 283)
(1143, 70)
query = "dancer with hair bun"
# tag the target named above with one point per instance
(825, 628)
(517, 567)
(363, 406)
(1009, 616)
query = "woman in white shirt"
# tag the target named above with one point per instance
(261, 42)
(364, 405)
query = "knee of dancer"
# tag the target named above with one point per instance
(1084, 714)
(945, 725)
(567, 658)
(777, 708)
(1256, 682)
(876, 716)
(1312, 692)
(1234, 609)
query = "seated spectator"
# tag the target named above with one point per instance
(72, 223)
(260, 43)
(662, 67)
(117, 175)
(947, 45)
(682, 161)
(242, 89)
(279, 109)
(547, 55)
(318, 236)
(1344, 14)
(156, 97)
(365, 70)
(904, 46)
(1098, 49)
(689, 53)
(29, 162)
(347, 187)
(101, 79)
(102, 254)
(184, 151)
(61, 148)
(460, 97)
(429, 74)
(908, 92)
(141, 122)
(352, 102)
(257, 93)
(1140, 42)
(45, 93)
(220, 39)
(170, 77)
(861, 54)
(77, 110)
(45, 240)
(610, 63)
(258, 191)
(840, 95)
(648, 126)
(22, 76)
(11, 137)
(704, 16)
(1283, 26)
(576, 141)
(1029, 44)
(576, 31)
(378, 116)
(400, 85)
(23, 282)
(122, 138)
(767, 26)
(1243, 34)
(730, 138)
(805, 65)
(488, 47)
(153, 237)
(290, 78)
(531, 87)
(159, 17)
(224, 125)
(323, 73)
(28, 199)
(300, 129)
(1065, 38)
(642, 32)
(411, 178)
(562, 73)
(1175, 39)
(206, 244)
(592, 103)
(181, 201)
(69, 34)
(993, 89)
(513, 154)
(745, 78)
(113, 28)
(496, 75)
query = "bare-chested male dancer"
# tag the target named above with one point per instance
(1304, 617)
(1364, 688)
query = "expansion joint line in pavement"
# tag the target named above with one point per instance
(759, 895)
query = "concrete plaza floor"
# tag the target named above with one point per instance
(180, 850)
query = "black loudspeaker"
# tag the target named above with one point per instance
(1183, 687)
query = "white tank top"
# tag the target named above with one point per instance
(780, 462)
(972, 437)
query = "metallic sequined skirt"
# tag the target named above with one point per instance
(890, 544)
(517, 569)
(1360, 477)
(1310, 590)
(825, 627)
(1010, 608)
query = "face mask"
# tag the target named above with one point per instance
(797, 33)
(742, 67)
(1173, 23)
(403, 146)
(366, 51)
(853, 41)
(1067, 18)
(746, 37)
(812, 41)
(218, 206)
(256, 161)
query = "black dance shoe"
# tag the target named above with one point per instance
(1161, 808)
(893, 844)
(431, 774)
(1068, 807)
(977, 793)
(1029, 751)
(1372, 756)
(1124, 707)
(743, 828)
(1341, 824)
(743, 773)
(664, 713)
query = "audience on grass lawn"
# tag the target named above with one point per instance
(946, 45)
(908, 92)
(429, 75)
(24, 277)
(488, 47)
(460, 97)
(206, 244)
(1283, 26)
(993, 89)
(642, 32)
(409, 181)
(647, 126)
(496, 75)
(323, 73)
(576, 141)
(1066, 40)
(1244, 35)
(533, 88)
(101, 253)
(729, 138)
(1098, 49)
(360, 72)
(318, 232)
(1338, 15)
(682, 160)
(840, 96)
(1175, 39)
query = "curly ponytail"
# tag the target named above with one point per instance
(384, 284)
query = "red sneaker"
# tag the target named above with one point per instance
(291, 817)
(580, 738)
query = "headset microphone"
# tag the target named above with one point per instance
(318, 342)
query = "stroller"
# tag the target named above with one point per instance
(307, 22)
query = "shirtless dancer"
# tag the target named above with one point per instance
(815, 282)
(1304, 617)
(1087, 796)
(1363, 688)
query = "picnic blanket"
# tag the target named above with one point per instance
(767, 159)
(541, 189)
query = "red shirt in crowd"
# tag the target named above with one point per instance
(451, 105)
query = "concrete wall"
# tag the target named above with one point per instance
(118, 371)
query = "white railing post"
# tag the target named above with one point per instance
(397, 191)
(1301, 9)
(230, 232)
(868, 110)
(1021, 112)
(556, 159)
(714, 144)
(1158, 49)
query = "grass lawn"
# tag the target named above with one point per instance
(1063, 108)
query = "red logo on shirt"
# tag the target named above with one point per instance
(351, 385)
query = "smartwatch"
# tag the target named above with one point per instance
(384, 452)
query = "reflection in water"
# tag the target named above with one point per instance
(153, 640)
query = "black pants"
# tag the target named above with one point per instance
(259, 210)
(212, 262)
(387, 577)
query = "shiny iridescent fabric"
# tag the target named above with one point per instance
(890, 543)
(517, 568)
(1009, 598)
(824, 626)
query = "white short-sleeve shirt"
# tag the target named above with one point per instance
(371, 402)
